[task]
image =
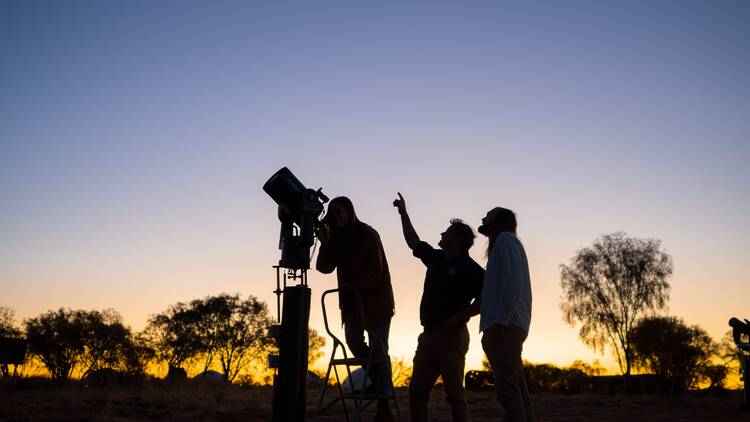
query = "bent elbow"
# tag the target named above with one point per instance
(325, 269)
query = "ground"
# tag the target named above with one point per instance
(211, 402)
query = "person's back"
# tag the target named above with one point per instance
(361, 263)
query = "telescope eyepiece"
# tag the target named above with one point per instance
(741, 327)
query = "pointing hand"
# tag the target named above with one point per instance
(400, 204)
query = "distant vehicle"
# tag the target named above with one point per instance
(209, 376)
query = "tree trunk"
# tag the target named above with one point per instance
(626, 378)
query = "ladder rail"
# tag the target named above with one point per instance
(362, 401)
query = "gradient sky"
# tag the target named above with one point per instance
(135, 138)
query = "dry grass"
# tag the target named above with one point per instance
(211, 402)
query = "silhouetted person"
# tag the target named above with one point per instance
(505, 312)
(450, 298)
(354, 249)
(741, 336)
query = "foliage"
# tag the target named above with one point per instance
(315, 346)
(137, 353)
(104, 339)
(66, 341)
(549, 378)
(240, 335)
(486, 364)
(9, 330)
(609, 285)
(8, 326)
(56, 338)
(401, 372)
(223, 328)
(727, 356)
(716, 375)
(667, 347)
(172, 334)
(592, 370)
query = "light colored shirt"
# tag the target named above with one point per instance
(506, 294)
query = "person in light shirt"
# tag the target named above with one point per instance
(505, 312)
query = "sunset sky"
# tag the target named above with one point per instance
(135, 137)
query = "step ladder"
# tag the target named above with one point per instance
(356, 393)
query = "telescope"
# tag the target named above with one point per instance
(299, 212)
(741, 336)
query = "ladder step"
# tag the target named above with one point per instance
(355, 361)
(366, 396)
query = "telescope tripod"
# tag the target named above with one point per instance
(290, 380)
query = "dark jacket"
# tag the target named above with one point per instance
(358, 255)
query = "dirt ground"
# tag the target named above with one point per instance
(233, 403)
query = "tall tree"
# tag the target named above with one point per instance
(56, 338)
(105, 340)
(9, 332)
(137, 354)
(173, 336)
(209, 313)
(241, 335)
(609, 285)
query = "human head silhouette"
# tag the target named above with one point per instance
(457, 239)
(496, 221)
(341, 213)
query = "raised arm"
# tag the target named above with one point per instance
(410, 235)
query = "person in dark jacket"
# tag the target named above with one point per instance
(354, 250)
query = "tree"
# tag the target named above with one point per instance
(668, 347)
(221, 328)
(592, 370)
(137, 354)
(716, 375)
(609, 285)
(8, 326)
(67, 341)
(549, 378)
(56, 338)
(208, 314)
(172, 335)
(401, 372)
(315, 346)
(105, 340)
(727, 355)
(9, 332)
(242, 334)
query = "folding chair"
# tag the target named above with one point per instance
(361, 398)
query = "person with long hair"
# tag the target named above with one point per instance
(355, 251)
(505, 312)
